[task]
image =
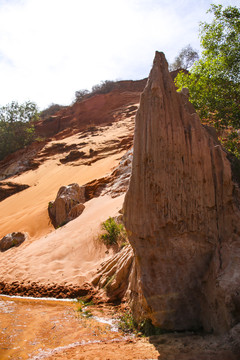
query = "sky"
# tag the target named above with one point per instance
(51, 48)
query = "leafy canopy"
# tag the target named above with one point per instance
(214, 80)
(16, 126)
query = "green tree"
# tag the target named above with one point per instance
(214, 80)
(185, 59)
(16, 126)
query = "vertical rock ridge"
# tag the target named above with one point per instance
(179, 213)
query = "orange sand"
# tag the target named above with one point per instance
(72, 253)
(69, 254)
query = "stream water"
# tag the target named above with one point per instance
(38, 328)
(53, 329)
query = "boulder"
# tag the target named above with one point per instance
(12, 240)
(182, 213)
(76, 211)
(68, 204)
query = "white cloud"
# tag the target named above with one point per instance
(51, 48)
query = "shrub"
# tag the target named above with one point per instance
(81, 95)
(104, 87)
(82, 304)
(50, 111)
(127, 323)
(114, 232)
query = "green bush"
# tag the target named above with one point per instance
(82, 304)
(17, 126)
(114, 232)
(127, 323)
(214, 80)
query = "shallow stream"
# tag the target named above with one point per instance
(38, 328)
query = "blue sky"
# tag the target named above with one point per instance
(51, 48)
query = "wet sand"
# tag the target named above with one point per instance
(47, 329)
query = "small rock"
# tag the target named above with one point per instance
(12, 240)
(68, 204)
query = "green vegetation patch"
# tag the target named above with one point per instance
(114, 233)
(145, 327)
(17, 126)
(83, 303)
(214, 80)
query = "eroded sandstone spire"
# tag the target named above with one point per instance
(182, 215)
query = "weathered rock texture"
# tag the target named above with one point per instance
(21, 160)
(12, 240)
(68, 204)
(182, 215)
(114, 184)
(96, 110)
(112, 278)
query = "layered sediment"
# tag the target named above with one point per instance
(182, 215)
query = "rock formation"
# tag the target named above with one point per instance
(68, 204)
(114, 184)
(112, 278)
(21, 160)
(182, 213)
(96, 110)
(12, 240)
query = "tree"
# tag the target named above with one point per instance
(51, 110)
(16, 126)
(214, 80)
(80, 95)
(185, 59)
(104, 87)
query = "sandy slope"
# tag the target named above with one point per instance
(70, 254)
(27, 211)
